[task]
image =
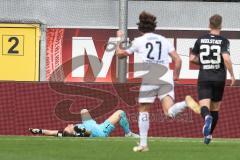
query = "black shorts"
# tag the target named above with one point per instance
(211, 90)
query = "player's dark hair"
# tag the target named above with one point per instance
(215, 21)
(147, 22)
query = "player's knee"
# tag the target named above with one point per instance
(120, 111)
(84, 111)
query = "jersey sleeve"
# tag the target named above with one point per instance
(196, 48)
(132, 47)
(225, 47)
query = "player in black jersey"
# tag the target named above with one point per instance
(211, 52)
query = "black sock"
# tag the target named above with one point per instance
(214, 114)
(204, 111)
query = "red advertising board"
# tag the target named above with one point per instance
(72, 50)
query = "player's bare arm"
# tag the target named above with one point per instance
(178, 64)
(45, 132)
(121, 53)
(228, 64)
(194, 59)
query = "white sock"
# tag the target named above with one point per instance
(177, 108)
(143, 124)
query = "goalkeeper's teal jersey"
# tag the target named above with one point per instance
(97, 130)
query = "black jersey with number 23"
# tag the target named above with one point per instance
(210, 48)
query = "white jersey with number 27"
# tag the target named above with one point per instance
(152, 48)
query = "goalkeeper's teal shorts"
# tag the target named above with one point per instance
(107, 127)
(97, 130)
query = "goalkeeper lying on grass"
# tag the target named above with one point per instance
(90, 128)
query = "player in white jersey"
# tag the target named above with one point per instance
(155, 51)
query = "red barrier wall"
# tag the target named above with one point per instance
(47, 105)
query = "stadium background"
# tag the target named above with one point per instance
(46, 104)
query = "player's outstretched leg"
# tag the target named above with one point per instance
(214, 109)
(120, 117)
(207, 125)
(205, 113)
(208, 138)
(124, 122)
(192, 104)
(125, 126)
(143, 125)
(214, 114)
(172, 110)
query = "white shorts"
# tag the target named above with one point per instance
(148, 92)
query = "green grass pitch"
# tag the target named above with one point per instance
(52, 148)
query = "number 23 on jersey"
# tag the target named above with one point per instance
(215, 58)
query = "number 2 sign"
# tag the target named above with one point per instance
(13, 45)
(19, 52)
